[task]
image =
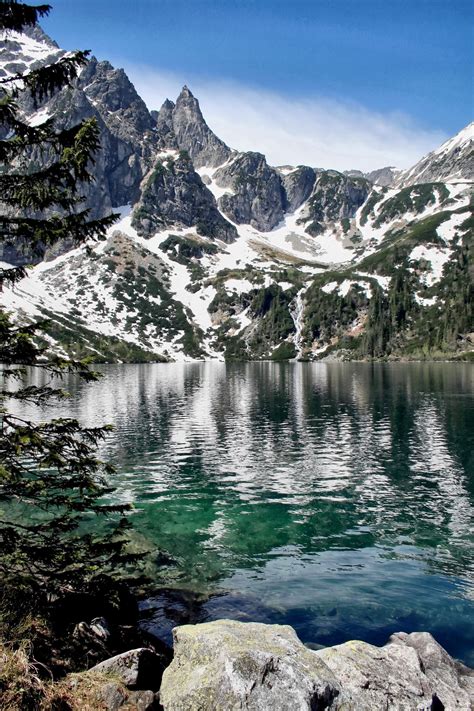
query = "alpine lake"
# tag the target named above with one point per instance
(334, 497)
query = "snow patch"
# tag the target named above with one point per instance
(436, 256)
(240, 286)
(329, 287)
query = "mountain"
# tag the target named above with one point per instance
(218, 254)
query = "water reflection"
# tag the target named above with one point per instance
(276, 479)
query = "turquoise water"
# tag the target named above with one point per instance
(338, 498)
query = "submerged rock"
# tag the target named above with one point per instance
(226, 665)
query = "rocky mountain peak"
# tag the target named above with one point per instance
(192, 132)
(167, 106)
(186, 93)
(187, 102)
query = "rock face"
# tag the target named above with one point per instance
(128, 139)
(164, 126)
(335, 196)
(224, 665)
(192, 132)
(258, 197)
(298, 186)
(383, 176)
(174, 195)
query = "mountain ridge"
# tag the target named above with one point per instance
(220, 255)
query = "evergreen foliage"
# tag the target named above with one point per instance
(51, 480)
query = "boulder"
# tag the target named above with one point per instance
(97, 631)
(105, 694)
(411, 672)
(387, 677)
(224, 665)
(142, 701)
(137, 669)
(452, 681)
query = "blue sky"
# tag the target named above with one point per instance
(406, 61)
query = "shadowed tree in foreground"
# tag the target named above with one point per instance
(51, 482)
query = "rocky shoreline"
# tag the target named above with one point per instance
(225, 665)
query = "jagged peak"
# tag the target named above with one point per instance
(187, 101)
(167, 105)
(186, 93)
(165, 114)
(192, 132)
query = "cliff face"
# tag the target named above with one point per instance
(174, 196)
(256, 194)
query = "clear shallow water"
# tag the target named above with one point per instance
(338, 498)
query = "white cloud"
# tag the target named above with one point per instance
(312, 131)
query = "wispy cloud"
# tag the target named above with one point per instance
(313, 131)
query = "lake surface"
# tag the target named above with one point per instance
(338, 497)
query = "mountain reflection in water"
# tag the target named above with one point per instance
(335, 497)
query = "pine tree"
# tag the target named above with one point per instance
(51, 479)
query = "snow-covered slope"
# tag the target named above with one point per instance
(22, 52)
(452, 161)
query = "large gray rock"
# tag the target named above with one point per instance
(452, 681)
(411, 672)
(257, 196)
(137, 669)
(387, 677)
(226, 665)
